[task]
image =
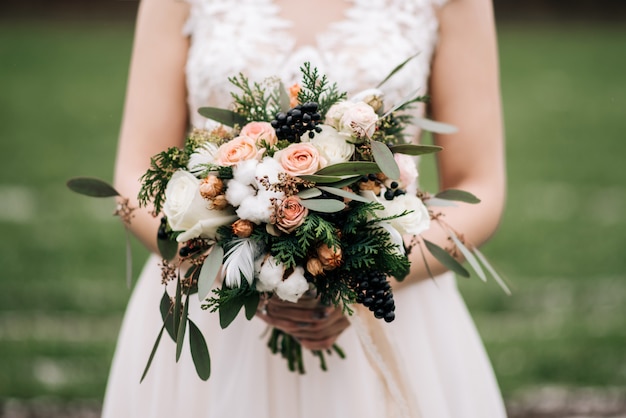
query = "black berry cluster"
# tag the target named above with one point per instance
(297, 121)
(374, 292)
(393, 191)
(162, 232)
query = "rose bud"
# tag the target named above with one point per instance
(211, 187)
(314, 266)
(242, 228)
(329, 257)
(219, 202)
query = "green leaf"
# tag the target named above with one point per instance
(492, 271)
(251, 304)
(323, 205)
(349, 168)
(166, 315)
(468, 256)
(345, 182)
(210, 269)
(396, 69)
(413, 96)
(384, 158)
(436, 127)
(457, 195)
(199, 352)
(284, 97)
(177, 306)
(152, 353)
(90, 186)
(345, 193)
(229, 310)
(318, 179)
(182, 327)
(309, 193)
(412, 149)
(223, 116)
(446, 259)
(168, 248)
(433, 201)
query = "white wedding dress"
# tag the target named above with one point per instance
(428, 363)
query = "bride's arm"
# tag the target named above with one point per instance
(465, 92)
(155, 110)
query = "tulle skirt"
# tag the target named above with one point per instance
(428, 363)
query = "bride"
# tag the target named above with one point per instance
(429, 362)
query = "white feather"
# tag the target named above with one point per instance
(239, 261)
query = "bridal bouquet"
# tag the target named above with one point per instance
(290, 193)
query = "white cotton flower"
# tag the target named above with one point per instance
(245, 171)
(270, 274)
(237, 192)
(203, 155)
(293, 287)
(332, 145)
(269, 167)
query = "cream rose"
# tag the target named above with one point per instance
(301, 158)
(261, 132)
(413, 223)
(335, 113)
(236, 150)
(187, 211)
(359, 119)
(290, 214)
(332, 145)
(408, 172)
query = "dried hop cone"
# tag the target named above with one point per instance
(211, 187)
(314, 266)
(242, 228)
(329, 257)
(219, 202)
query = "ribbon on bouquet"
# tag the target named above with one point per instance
(374, 339)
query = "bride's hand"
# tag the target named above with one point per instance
(315, 326)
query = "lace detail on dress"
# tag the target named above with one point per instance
(356, 52)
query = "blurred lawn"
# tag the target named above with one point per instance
(561, 244)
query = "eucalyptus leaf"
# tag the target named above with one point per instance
(284, 97)
(199, 352)
(323, 205)
(407, 99)
(457, 195)
(251, 305)
(446, 259)
(412, 149)
(166, 315)
(430, 273)
(435, 127)
(152, 353)
(129, 260)
(168, 248)
(396, 69)
(384, 158)
(223, 116)
(177, 306)
(182, 327)
(468, 256)
(90, 186)
(209, 271)
(309, 193)
(318, 179)
(433, 201)
(229, 309)
(345, 182)
(492, 271)
(345, 193)
(349, 168)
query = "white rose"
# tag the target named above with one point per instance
(413, 223)
(294, 286)
(332, 145)
(359, 119)
(187, 211)
(336, 111)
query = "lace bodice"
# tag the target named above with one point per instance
(251, 37)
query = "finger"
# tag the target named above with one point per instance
(323, 344)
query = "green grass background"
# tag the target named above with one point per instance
(561, 244)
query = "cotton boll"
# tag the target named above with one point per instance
(269, 167)
(293, 287)
(254, 211)
(270, 275)
(245, 171)
(237, 192)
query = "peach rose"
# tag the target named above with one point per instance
(301, 158)
(236, 150)
(290, 214)
(261, 132)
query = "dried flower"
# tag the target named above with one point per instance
(219, 202)
(293, 94)
(374, 186)
(211, 187)
(242, 228)
(314, 266)
(329, 257)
